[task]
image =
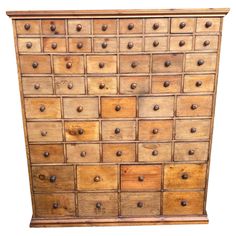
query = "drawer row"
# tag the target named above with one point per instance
(118, 152)
(128, 130)
(108, 64)
(117, 26)
(125, 204)
(124, 44)
(113, 85)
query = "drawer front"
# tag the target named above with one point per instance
(119, 107)
(140, 177)
(102, 85)
(194, 105)
(156, 25)
(131, 44)
(98, 204)
(69, 85)
(134, 64)
(27, 27)
(32, 64)
(80, 107)
(155, 130)
(54, 45)
(134, 85)
(53, 27)
(154, 152)
(191, 151)
(80, 45)
(118, 152)
(155, 44)
(208, 24)
(37, 85)
(184, 176)
(102, 177)
(166, 83)
(26, 45)
(68, 64)
(118, 130)
(167, 63)
(183, 203)
(131, 26)
(46, 153)
(156, 106)
(201, 62)
(54, 204)
(79, 27)
(206, 42)
(199, 83)
(53, 178)
(104, 26)
(140, 204)
(42, 108)
(101, 64)
(193, 129)
(82, 131)
(183, 25)
(44, 131)
(82, 153)
(105, 44)
(181, 43)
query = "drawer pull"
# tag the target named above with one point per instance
(181, 43)
(141, 178)
(166, 84)
(198, 83)
(134, 64)
(70, 85)
(35, 64)
(104, 45)
(184, 176)
(140, 204)
(97, 178)
(130, 45)
(155, 43)
(101, 85)
(98, 205)
(191, 152)
(118, 108)
(101, 65)
(79, 27)
(83, 154)
(193, 130)
(130, 26)
(156, 108)
(208, 24)
(117, 131)
(119, 153)
(79, 45)
(155, 131)
(29, 45)
(53, 27)
(68, 65)
(42, 177)
(133, 86)
(55, 205)
(154, 152)
(54, 45)
(194, 106)
(44, 133)
(53, 179)
(104, 27)
(183, 203)
(36, 86)
(80, 109)
(80, 131)
(167, 63)
(27, 26)
(42, 108)
(155, 26)
(206, 43)
(182, 25)
(46, 154)
(200, 62)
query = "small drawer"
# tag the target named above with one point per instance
(208, 24)
(118, 107)
(131, 44)
(181, 43)
(201, 62)
(183, 25)
(131, 26)
(194, 105)
(199, 83)
(97, 177)
(134, 85)
(206, 42)
(118, 130)
(80, 153)
(118, 152)
(156, 25)
(69, 85)
(193, 129)
(101, 64)
(82, 131)
(37, 85)
(183, 203)
(104, 44)
(166, 83)
(156, 106)
(44, 131)
(35, 64)
(42, 108)
(46, 153)
(167, 63)
(80, 107)
(29, 45)
(54, 44)
(79, 27)
(191, 151)
(134, 63)
(54, 204)
(155, 44)
(155, 130)
(80, 45)
(28, 27)
(98, 205)
(53, 178)
(184, 176)
(140, 204)
(104, 26)
(102, 85)
(68, 64)
(140, 177)
(154, 152)
(53, 27)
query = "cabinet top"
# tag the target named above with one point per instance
(119, 13)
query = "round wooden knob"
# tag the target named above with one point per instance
(134, 64)
(98, 205)
(53, 27)
(70, 85)
(166, 84)
(194, 106)
(101, 85)
(193, 130)
(133, 86)
(140, 204)
(198, 83)
(200, 62)
(42, 108)
(141, 178)
(101, 65)
(154, 152)
(167, 63)
(208, 24)
(37, 86)
(55, 205)
(183, 203)
(130, 26)
(117, 107)
(155, 43)
(29, 45)
(130, 45)
(119, 153)
(27, 26)
(68, 65)
(80, 109)
(155, 26)
(156, 108)
(79, 27)
(83, 154)
(46, 154)
(206, 43)
(184, 176)
(52, 178)
(104, 45)
(155, 131)
(191, 152)
(181, 43)
(182, 25)
(44, 133)
(117, 131)
(80, 131)
(35, 64)
(54, 45)
(97, 178)
(104, 27)
(79, 45)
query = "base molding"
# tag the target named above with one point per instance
(161, 220)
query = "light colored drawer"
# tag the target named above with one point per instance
(104, 44)
(208, 24)
(80, 107)
(156, 25)
(131, 26)
(131, 44)
(183, 25)
(27, 27)
(53, 27)
(79, 27)
(155, 44)
(104, 26)
(29, 45)
(206, 42)
(80, 45)
(181, 43)
(54, 44)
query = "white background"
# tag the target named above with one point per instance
(15, 207)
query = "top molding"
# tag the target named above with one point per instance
(119, 13)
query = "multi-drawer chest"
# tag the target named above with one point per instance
(118, 110)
